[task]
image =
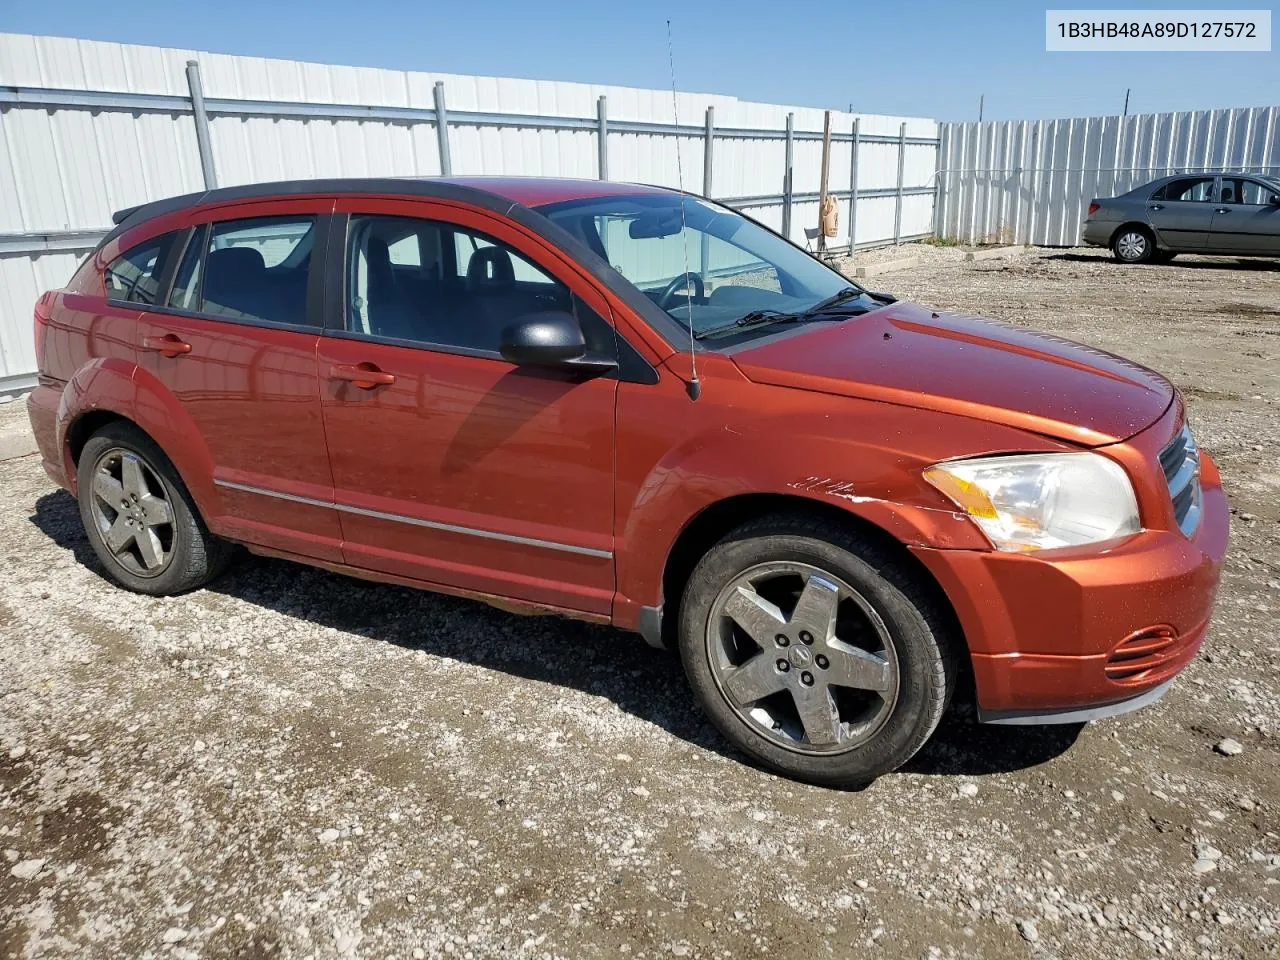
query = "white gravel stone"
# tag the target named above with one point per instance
(27, 869)
(330, 836)
(1028, 930)
(174, 935)
(1229, 747)
(968, 789)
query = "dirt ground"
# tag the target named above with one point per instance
(294, 764)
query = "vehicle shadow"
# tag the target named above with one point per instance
(598, 660)
(1204, 263)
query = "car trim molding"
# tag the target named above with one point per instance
(417, 521)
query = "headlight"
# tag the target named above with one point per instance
(1040, 501)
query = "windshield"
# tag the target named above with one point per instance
(705, 264)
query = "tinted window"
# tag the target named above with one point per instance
(135, 275)
(1197, 189)
(462, 289)
(251, 269)
(1239, 190)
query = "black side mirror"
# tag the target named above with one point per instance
(551, 338)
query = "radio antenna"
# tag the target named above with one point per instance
(694, 386)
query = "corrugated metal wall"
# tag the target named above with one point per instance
(1030, 181)
(88, 127)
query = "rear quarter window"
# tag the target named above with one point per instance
(136, 274)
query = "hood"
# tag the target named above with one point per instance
(906, 354)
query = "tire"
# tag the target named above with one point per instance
(799, 566)
(1134, 244)
(132, 499)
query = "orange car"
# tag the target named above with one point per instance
(637, 407)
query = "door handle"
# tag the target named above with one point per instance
(168, 346)
(366, 376)
(1156, 206)
(1223, 210)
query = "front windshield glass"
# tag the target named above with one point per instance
(710, 266)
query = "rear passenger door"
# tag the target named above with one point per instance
(1246, 218)
(451, 465)
(1182, 213)
(235, 342)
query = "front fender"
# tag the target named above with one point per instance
(114, 385)
(860, 456)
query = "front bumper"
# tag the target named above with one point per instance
(1055, 634)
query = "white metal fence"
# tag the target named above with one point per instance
(1029, 181)
(88, 127)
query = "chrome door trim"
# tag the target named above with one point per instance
(417, 522)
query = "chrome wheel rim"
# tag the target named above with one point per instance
(1132, 245)
(131, 509)
(802, 658)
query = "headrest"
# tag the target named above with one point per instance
(490, 267)
(236, 261)
(379, 257)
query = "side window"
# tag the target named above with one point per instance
(463, 299)
(1237, 190)
(135, 274)
(468, 244)
(249, 270)
(1195, 189)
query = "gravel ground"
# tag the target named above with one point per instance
(294, 764)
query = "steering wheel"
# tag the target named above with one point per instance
(679, 283)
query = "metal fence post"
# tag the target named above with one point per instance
(203, 143)
(707, 149)
(897, 206)
(786, 176)
(602, 136)
(442, 130)
(853, 190)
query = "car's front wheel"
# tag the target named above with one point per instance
(139, 517)
(1134, 245)
(815, 651)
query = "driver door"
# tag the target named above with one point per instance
(451, 465)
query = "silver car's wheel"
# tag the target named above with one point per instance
(132, 512)
(1133, 246)
(802, 657)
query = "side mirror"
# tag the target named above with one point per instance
(551, 338)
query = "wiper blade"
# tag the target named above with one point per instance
(758, 318)
(837, 298)
(755, 318)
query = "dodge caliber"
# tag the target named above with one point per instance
(633, 406)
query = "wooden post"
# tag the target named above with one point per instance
(822, 189)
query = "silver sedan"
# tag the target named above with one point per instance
(1230, 214)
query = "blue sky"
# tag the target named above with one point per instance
(929, 59)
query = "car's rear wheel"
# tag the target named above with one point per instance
(1134, 244)
(139, 517)
(815, 651)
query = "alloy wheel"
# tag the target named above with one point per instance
(132, 512)
(1131, 245)
(802, 657)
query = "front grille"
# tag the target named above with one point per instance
(1180, 461)
(1141, 654)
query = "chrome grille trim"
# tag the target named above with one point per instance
(1180, 463)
